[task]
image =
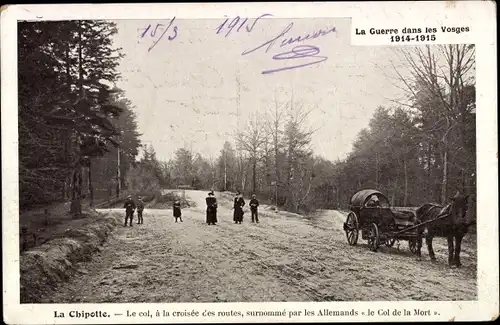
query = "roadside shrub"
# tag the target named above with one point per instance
(142, 180)
(166, 200)
(147, 196)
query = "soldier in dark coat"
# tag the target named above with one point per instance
(254, 204)
(177, 210)
(211, 209)
(129, 209)
(140, 208)
(239, 203)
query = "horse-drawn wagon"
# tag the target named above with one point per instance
(371, 214)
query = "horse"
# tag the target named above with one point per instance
(452, 224)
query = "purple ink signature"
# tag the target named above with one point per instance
(298, 52)
(163, 29)
(236, 22)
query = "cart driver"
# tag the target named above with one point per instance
(373, 201)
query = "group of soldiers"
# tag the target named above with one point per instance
(130, 208)
(238, 205)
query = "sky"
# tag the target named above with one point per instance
(194, 87)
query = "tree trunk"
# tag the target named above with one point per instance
(430, 188)
(118, 176)
(276, 125)
(80, 58)
(290, 202)
(91, 188)
(338, 197)
(391, 189)
(405, 198)
(376, 170)
(243, 175)
(267, 180)
(68, 144)
(464, 181)
(225, 171)
(276, 168)
(65, 190)
(76, 203)
(444, 186)
(76, 195)
(254, 172)
(243, 182)
(269, 188)
(465, 172)
(276, 195)
(300, 200)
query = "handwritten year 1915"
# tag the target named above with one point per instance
(238, 23)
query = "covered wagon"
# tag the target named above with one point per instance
(370, 213)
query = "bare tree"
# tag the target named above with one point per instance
(213, 170)
(299, 163)
(251, 140)
(443, 74)
(227, 167)
(274, 128)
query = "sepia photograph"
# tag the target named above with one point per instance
(231, 178)
(244, 159)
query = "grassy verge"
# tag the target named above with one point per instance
(55, 261)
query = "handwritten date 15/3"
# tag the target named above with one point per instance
(416, 38)
(238, 23)
(157, 32)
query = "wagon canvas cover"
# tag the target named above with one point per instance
(359, 199)
(401, 216)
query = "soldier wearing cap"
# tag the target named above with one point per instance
(129, 209)
(140, 208)
(177, 209)
(254, 204)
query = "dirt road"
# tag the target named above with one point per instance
(283, 258)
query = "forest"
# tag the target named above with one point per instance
(421, 149)
(79, 140)
(70, 116)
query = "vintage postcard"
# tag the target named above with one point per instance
(249, 162)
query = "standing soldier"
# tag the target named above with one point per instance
(211, 209)
(238, 208)
(254, 203)
(140, 208)
(129, 209)
(177, 210)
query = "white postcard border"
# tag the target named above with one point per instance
(479, 16)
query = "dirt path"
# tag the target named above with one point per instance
(284, 258)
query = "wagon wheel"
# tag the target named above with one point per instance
(389, 242)
(373, 238)
(351, 228)
(412, 243)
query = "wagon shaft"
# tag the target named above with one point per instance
(399, 236)
(420, 224)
